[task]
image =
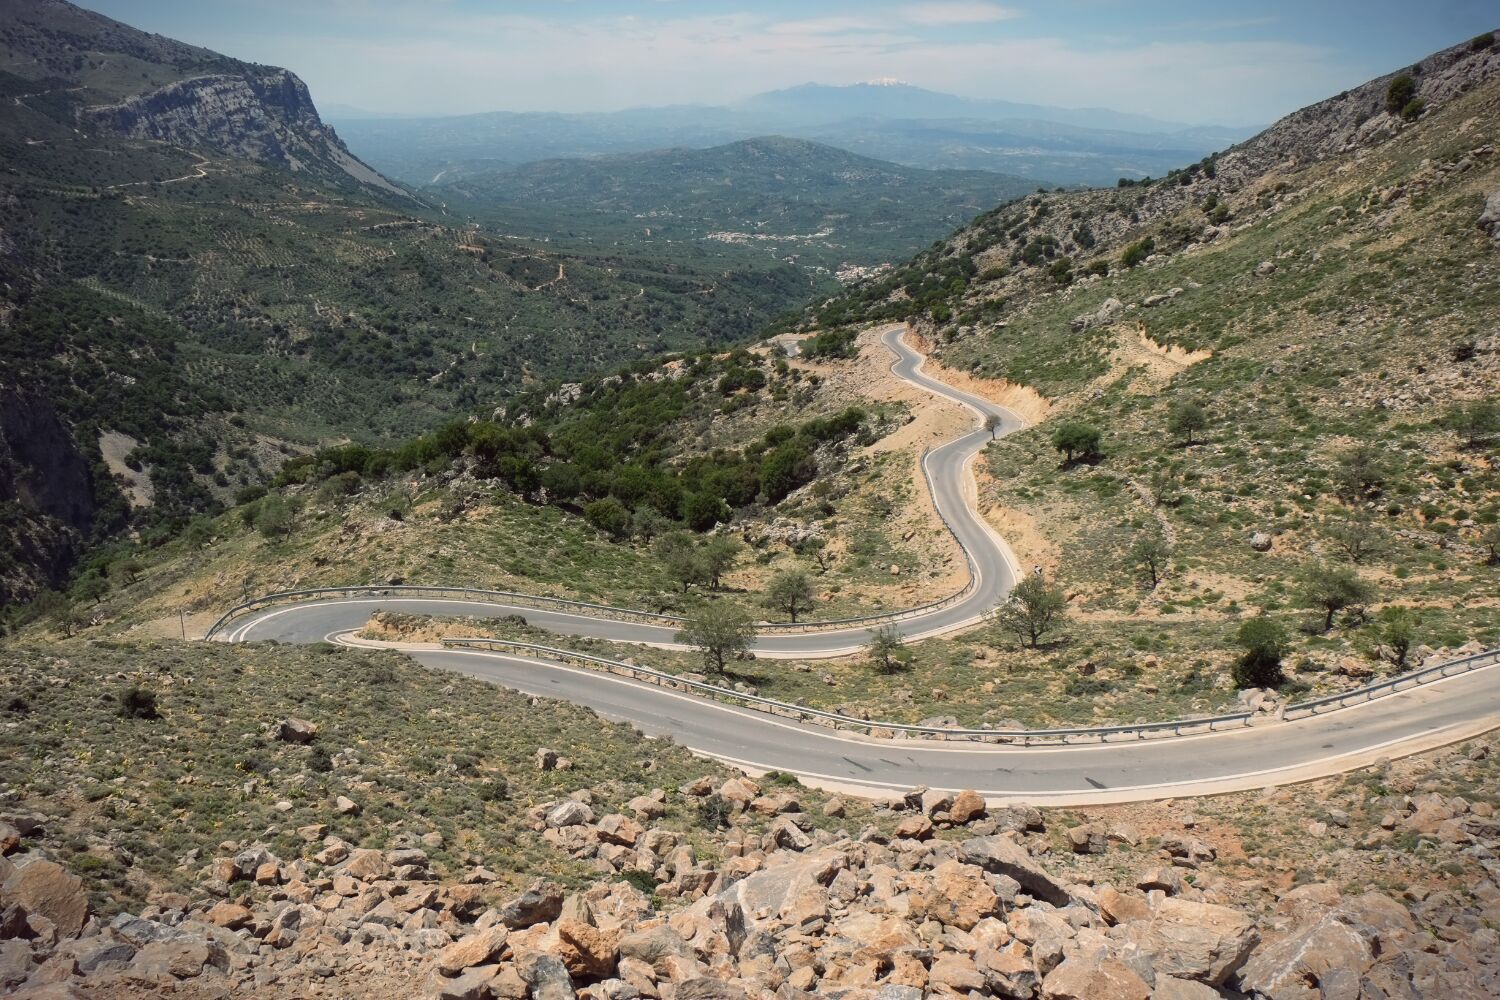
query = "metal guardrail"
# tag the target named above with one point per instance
(1378, 689)
(410, 591)
(564, 604)
(1022, 737)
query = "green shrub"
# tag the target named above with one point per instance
(139, 703)
(1399, 93)
(1137, 252)
(1264, 643)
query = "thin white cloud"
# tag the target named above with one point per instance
(947, 14)
(449, 60)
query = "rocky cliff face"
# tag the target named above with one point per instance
(182, 95)
(266, 116)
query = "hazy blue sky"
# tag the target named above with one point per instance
(1186, 60)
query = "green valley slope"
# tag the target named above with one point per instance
(791, 198)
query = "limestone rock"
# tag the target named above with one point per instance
(475, 949)
(1078, 979)
(45, 889)
(956, 894)
(569, 812)
(1003, 856)
(1193, 940)
(968, 805)
(1489, 219)
(541, 903)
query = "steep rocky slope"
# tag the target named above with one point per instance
(144, 86)
(428, 835)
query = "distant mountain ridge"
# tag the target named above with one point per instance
(826, 205)
(897, 122)
(143, 86)
(817, 102)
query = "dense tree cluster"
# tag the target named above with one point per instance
(611, 452)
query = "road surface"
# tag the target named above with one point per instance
(1421, 718)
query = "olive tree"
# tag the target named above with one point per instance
(1076, 440)
(1356, 535)
(720, 632)
(887, 651)
(1331, 589)
(1475, 421)
(1033, 609)
(717, 556)
(790, 591)
(1150, 552)
(1185, 419)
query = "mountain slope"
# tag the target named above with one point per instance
(1287, 353)
(827, 206)
(906, 125)
(144, 86)
(193, 269)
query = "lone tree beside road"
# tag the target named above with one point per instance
(993, 423)
(720, 632)
(791, 592)
(1032, 610)
(1076, 440)
(1186, 419)
(1264, 642)
(886, 650)
(1331, 589)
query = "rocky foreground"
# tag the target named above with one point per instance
(790, 912)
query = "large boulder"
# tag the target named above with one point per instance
(1489, 219)
(1336, 946)
(968, 805)
(45, 889)
(1109, 310)
(541, 903)
(547, 977)
(705, 988)
(653, 946)
(766, 893)
(568, 813)
(293, 730)
(180, 958)
(475, 949)
(955, 894)
(586, 951)
(1003, 856)
(367, 865)
(1079, 979)
(1192, 940)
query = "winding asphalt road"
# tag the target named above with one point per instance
(1421, 718)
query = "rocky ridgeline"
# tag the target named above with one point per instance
(791, 911)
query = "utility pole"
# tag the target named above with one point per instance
(182, 622)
